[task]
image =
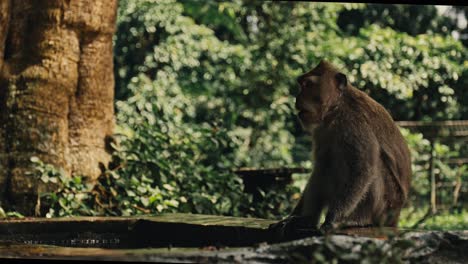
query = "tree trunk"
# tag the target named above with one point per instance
(56, 91)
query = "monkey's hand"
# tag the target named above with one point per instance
(293, 227)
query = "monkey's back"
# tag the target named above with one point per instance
(394, 157)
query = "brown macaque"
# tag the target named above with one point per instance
(362, 165)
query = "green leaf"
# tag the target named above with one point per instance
(45, 178)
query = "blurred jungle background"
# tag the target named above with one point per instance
(204, 88)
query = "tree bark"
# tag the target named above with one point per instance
(56, 91)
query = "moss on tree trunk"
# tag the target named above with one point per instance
(56, 90)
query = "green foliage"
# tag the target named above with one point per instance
(10, 214)
(70, 196)
(416, 81)
(173, 165)
(445, 173)
(275, 203)
(181, 114)
(411, 19)
(445, 220)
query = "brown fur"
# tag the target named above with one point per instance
(362, 164)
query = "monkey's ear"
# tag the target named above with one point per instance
(341, 80)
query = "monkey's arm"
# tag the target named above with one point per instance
(359, 156)
(307, 212)
(312, 201)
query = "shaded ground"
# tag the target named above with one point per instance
(213, 239)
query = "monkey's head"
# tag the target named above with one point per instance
(320, 91)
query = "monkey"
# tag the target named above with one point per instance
(362, 163)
